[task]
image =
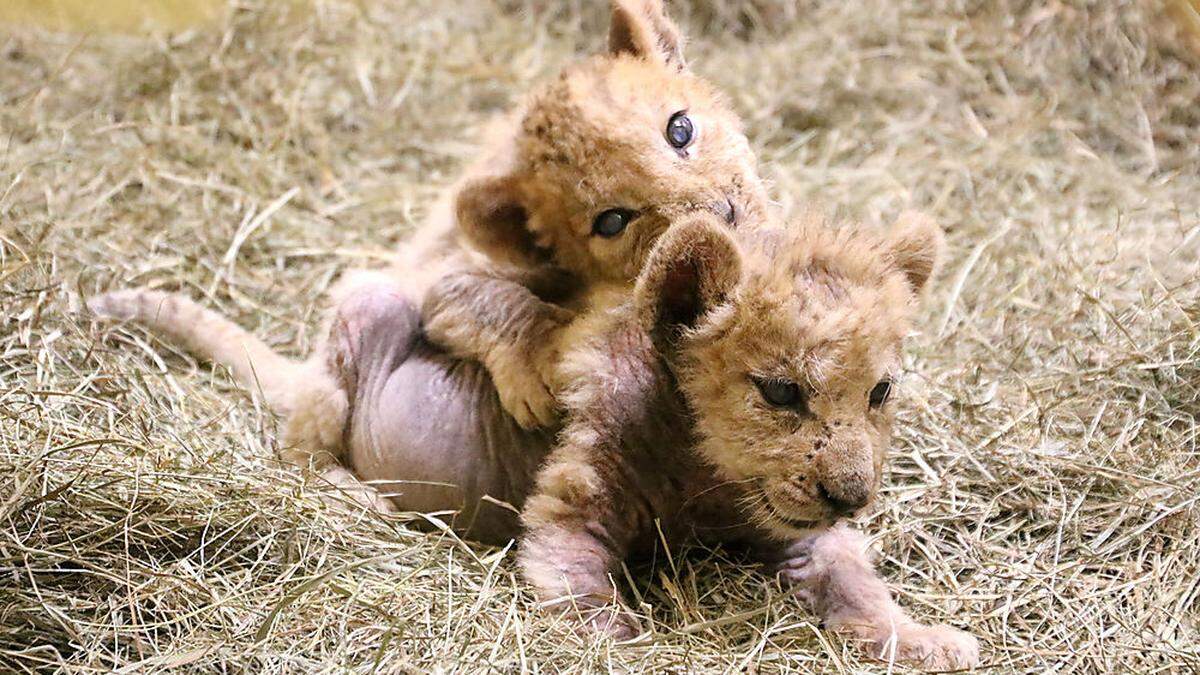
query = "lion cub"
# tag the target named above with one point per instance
(579, 183)
(742, 395)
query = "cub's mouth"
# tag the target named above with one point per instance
(797, 523)
(780, 516)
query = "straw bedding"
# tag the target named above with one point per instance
(1044, 483)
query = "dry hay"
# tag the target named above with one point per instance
(1043, 493)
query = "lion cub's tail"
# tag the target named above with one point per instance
(210, 335)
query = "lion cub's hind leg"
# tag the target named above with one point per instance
(315, 424)
(313, 435)
(316, 427)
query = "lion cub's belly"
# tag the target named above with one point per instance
(427, 429)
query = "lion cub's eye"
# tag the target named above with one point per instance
(880, 393)
(680, 130)
(780, 393)
(612, 222)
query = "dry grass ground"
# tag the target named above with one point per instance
(1044, 488)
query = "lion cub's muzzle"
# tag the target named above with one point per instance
(846, 498)
(847, 476)
(843, 480)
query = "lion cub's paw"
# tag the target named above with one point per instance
(525, 373)
(938, 647)
(621, 626)
(526, 391)
(604, 619)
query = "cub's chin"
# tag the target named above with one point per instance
(786, 517)
(786, 527)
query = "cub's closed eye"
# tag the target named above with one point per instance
(612, 222)
(780, 393)
(680, 131)
(880, 393)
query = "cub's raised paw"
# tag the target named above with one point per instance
(524, 392)
(931, 648)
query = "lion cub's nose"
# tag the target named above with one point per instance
(845, 499)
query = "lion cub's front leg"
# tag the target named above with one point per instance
(508, 329)
(835, 577)
(569, 563)
(577, 535)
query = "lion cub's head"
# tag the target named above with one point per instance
(603, 158)
(786, 344)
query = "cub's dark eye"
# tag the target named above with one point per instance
(680, 130)
(780, 393)
(612, 222)
(880, 393)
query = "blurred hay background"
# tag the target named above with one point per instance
(111, 15)
(1044, 485)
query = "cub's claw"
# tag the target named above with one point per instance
(602, 618)
(793, 564)
(621, 626)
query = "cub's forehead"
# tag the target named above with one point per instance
(618, 101)
(819, 322)
(628, 84)
(827, 317)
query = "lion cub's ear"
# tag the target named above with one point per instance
(914, 246)
(641, 28)
(693, 268)
(492, 216)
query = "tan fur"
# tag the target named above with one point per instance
(659, 397)
(821, 306)
(828, 314)
(205, 332)
(312, 401)
(591, 140)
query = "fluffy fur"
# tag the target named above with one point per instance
(664, 392)
(511, 243)
(591, 140)
(510, 246)
(662, 387)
